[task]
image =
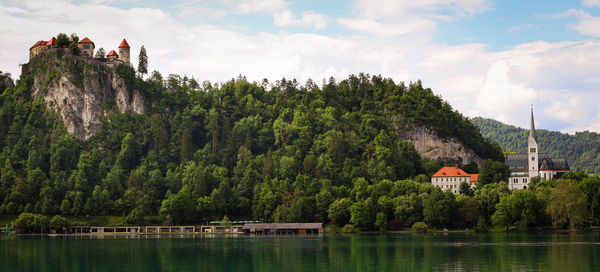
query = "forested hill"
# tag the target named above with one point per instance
(274, 152)
(582, 150)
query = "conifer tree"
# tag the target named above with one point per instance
(143, 62)
(100, 54)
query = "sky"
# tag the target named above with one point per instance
(486, 58)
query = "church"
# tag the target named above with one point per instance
(523, 167)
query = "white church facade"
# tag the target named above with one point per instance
(523, 167)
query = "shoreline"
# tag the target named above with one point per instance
(247, 235)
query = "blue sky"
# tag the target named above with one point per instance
(487, 58)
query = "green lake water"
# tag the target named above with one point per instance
(359, 252)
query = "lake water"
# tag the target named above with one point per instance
(358, 252)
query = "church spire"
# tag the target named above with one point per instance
(532, 129)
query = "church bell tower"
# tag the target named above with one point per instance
(533, 150)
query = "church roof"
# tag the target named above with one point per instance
(519, 162)
(86, 40)
(124, 44)
(112, 53)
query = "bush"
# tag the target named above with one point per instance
(31, 223)
(420, 227)
(349, 229)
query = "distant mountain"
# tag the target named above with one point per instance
(582, 150)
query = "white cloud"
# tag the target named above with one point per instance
(589, 25)
(393, 18)
(313, 19)
(386, 8)
(278, 9)
(591, 3)
(586, 24)
(502, 98)
(414, 25)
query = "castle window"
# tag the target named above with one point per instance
(532, 150)
(532, 158)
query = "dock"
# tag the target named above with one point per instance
(239, 228)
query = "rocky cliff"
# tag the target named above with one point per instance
(5, 82)
(429, 145)
(82, 90)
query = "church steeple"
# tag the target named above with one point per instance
(533, 150)
(532, 129)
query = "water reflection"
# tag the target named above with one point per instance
(372, 252)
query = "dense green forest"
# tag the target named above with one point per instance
(582, 150)
(278, 151)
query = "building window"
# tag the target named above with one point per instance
(532, 150)
(532, 158)
(86, 46)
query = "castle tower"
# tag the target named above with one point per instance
(87, 47)
(124, 51)
(533, 150)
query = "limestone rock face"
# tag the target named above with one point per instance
(429, 145)
(7, 83)
(82, 91)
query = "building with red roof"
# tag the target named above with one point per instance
(39, 46)
(124, 44)
(112, 55)
(87, 47)
(124, 51)
(450, 178)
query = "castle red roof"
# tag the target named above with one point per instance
(124, 44)
(86, 40)
(112, 53)
(38, 43)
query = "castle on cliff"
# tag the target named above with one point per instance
(87, 49)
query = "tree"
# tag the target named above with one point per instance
(339, 211)
(100, 54)
(381, 221)
(503, 214)
(419, 227)
(492, 171)
(567, 205)
(74, 44)
(439, 208)
(408, 209)
(226, 222)
(489, 196)
(59, 223)
(143, 62)
(62, 40)
(361, 214)
(465, 189)
(179, 207)
(591, 188)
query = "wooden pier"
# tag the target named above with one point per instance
(246, 228)
(154, 229)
